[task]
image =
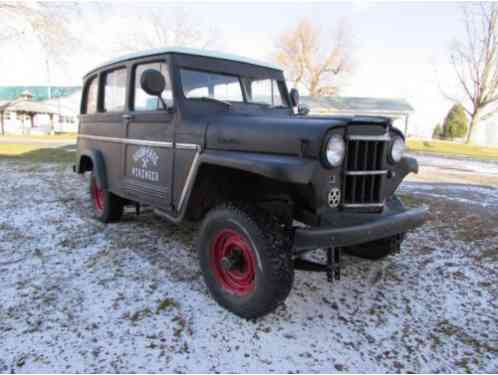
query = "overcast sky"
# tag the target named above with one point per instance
(398, 46)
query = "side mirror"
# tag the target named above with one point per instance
(303, 109)
(152, 82)
(294, 96)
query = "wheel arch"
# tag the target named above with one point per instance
(215, 183)
(93, 160)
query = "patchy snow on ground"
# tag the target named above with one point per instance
(80, 296)
(475, 195)
(462, 164)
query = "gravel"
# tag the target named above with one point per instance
(80, 296)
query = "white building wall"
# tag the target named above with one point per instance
(18, 124)
(486, 133)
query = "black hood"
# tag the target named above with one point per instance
(270, 134)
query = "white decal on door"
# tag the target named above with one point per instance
(147, 160)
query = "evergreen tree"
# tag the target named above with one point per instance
(456, 123)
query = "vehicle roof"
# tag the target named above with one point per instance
(186, 51)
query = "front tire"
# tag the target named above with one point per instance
(245, 260)
(107, 206)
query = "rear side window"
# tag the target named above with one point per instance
(91, 96)
(146, 102)
(115, 90)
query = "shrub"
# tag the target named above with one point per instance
(456, 123)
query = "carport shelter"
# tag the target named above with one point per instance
(396, 109)
(24, 106)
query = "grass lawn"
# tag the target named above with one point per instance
(48, 137)
(36, 153)
(454, 149)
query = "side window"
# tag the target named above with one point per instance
(266, 91)
(146, 102)
(91, 96)
(115, 90)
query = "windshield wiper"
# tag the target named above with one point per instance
(211, 99)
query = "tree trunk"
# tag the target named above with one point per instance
(313, 88)
(313, 91)
(474, 120)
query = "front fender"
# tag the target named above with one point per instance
(399, 172)
(409, 165)
(98, 166)
(279, 167)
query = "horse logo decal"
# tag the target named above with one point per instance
(146, 155)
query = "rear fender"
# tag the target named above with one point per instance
(98, 166)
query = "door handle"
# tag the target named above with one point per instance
(127, 117)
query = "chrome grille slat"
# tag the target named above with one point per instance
(364, 171)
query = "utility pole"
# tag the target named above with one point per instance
(49, 89)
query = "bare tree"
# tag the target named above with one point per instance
(475, 63)
(313, 59)
(47, 24)
(167, 26)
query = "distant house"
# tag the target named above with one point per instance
(21, 112)
(399, 110)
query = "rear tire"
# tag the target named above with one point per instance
(245, 259)
(107, 206)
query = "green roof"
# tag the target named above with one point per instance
(39, 92)
(188, 51)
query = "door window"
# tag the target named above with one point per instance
(115, 90)
(146, 102)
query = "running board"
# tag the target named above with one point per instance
(167, 216)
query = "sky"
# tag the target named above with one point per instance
(398, 47)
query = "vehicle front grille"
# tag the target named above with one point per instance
(364, 171)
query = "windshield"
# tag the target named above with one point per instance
(230, 88)
(197, 84)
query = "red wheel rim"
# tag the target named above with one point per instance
(98, 197)
(233, 262)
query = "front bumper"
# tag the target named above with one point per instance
(371, 229)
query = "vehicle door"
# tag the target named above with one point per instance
(148, 154)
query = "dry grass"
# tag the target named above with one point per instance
(451, 148)
(37, 154)
(48, 137)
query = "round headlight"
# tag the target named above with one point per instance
(334, 153)
(397, 149)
